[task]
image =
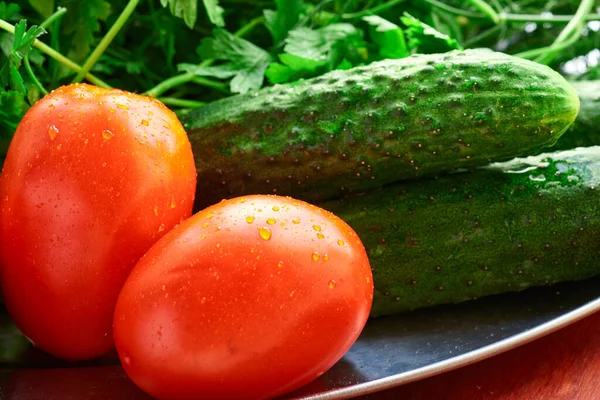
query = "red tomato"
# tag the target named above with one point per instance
(250, 298)
(93, 177)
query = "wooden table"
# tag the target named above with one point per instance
(564, 365)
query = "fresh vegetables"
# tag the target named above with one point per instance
(348, 131)
(505, 227)
(249, 298)
(93, 177)
(309, 100)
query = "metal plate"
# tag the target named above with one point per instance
(391, 350)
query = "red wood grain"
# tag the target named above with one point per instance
(564, 365)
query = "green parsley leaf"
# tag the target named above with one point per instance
(8, 11)
(318, 44)
(214, 12)
(426, 40)
(185, 9)
(22, 46)
(247, 60)
(311, 52)
(285, 18)
(292, 68)
(388, 36)
(81, 22)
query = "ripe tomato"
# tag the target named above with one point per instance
(250, 298)
(93, 177)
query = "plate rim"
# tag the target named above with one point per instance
(462, 360)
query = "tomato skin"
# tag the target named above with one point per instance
(219, 309)
(93, 177)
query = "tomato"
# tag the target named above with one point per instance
(93, 177)
(250, 298)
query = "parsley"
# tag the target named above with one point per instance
(285, 18)
(388, 37)
(310, 52)
(22, 46)
(245, 61)
(425, 39)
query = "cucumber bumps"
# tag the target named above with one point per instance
(348, 131)
(504, 227)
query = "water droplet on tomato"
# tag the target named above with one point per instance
(161, 228)
(280, 264)
(271, 221)
(52, 132)
(250, 219)
(264, 233)
(156, 210)
(173, 201)
(145, 122)
(317, 228)
(106, 134)
(325, 257)
(340, 242)
(331, 284)
(316, 256)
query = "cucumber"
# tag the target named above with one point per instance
(348, 131)
(585, 131)
(504, 227)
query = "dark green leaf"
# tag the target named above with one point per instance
(12, 109)
(214, 12)
(44, 7)
(317, 44)
(425, 39)
(8, 11)
(246, 59)
(82, 21)
(185, 9)
(292, 68)
(283, 19)
(388, 36)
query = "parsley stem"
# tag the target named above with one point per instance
(249, 27)
(573, 28)
(173, 101)
(486, 9)
(372, 11)
(57, 56)
(552, 19)
(34, 78)
(181, 79)
(57, 14)
(106, 40)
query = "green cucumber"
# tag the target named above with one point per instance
(585, 131)
(348, 131)
(504, 227)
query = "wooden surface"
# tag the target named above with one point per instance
(564, 365)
